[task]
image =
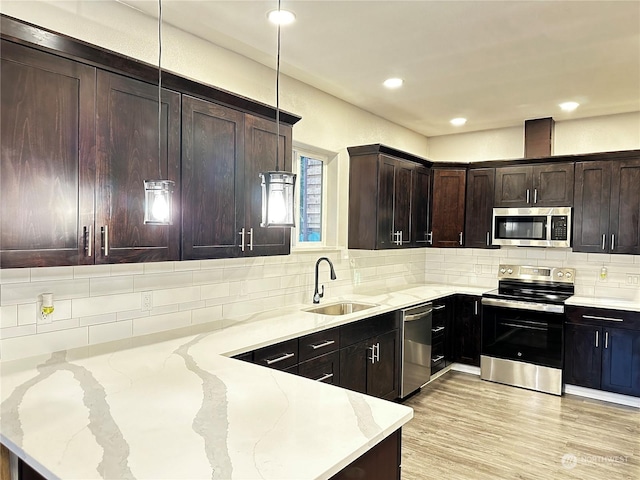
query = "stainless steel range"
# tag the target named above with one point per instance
(523, 325)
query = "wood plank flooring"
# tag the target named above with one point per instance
(467, 428)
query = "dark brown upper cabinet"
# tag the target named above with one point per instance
(48, 147)
(447, 221)
(212, 179)
(127, 154)
(540, 185)
(223, 152)
(607, 207)
(479, 207)
(388, 199)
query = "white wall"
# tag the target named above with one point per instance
(586, 135)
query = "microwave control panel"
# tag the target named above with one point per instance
(559, 227)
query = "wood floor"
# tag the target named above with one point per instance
(467, 428)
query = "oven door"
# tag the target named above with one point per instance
(523, 331)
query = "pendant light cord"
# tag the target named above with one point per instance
(159, 88)
(278, 97)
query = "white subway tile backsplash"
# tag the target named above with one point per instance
(212, 275)
(62, 310)
(8, 316)
(91, 271)
(59, 325)
(108, 332)
(175, 295)
(187, 265)
(162, 281)
(192, 305)
(160, 323)
(51, 274)
(97, 319)
(86, 307)
(13, 293)
(15, 275)
(110, 285)
(28, 313)
(127, 269)
(158, 267)
(17, 331)
(164, 310)
(208, 314)
(131, 314)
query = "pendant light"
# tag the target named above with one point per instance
(278, 187)
(158, 194)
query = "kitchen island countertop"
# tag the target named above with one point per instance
(172, 405)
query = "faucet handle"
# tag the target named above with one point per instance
(321, 294)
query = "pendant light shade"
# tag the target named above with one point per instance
(158, 194)
(278, 187)
(278, 194)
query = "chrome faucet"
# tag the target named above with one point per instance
(317, 295)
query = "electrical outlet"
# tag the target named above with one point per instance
(146, 301)
(633, 279)
(477, 268)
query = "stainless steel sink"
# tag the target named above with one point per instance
(342, 308)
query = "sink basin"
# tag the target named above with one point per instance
(342, 308)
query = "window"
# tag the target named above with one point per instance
(310, 221)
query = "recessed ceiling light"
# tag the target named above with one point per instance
(393, 82)
(458, 122)
(569, 106)
(282, 17)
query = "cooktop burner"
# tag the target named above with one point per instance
(535, 284)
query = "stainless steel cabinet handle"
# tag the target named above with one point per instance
(373, 353)
(475, 307)
(613, 241)
(323, 344)
(460, 238)
(105, 240)
(609, 319)
(437, 359)
(251, 239)
(378, 352)
(606, 339)
(535, 195)
(400, 236)
(324, 377)
(88, 231)
(528, 196)
(417, 316)
(280, 359)
(439, 307)
(604, 239)
(437, 329)
(430, 238)
(597, 338)
(241, 233)
(488, 238)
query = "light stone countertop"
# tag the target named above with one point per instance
(172, 405)
(632, 305)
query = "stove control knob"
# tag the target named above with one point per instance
(503, 270)
(510, 271)
(568, 275)
(560, 274)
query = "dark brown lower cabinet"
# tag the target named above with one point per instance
(602, 350)
(466, 327)
(325, 368)
(382, 462)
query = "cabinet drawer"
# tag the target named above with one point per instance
(319, 343)
(603, 317)
(440, 313)
(361, 330)
(245, 357)
(325, 368)
(279, 356)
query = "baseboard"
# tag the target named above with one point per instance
(461, 367)
(602, 395)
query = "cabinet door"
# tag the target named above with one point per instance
(479, 207)
(591, 207)
(513, 186)
(467, 330)
(212, 179)
(260, 156)
(382, 375)
(48, 143)
(385, 217)
(420, 206)
(582, 355)
(354, 362)
(553, 185)
(448, 207)
(624, 228)
(127, 154)
(402, 195)
(621, 361)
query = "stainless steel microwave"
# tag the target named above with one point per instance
(532, 227)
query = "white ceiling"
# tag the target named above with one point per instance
(497, 63)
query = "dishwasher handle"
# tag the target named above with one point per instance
(417, 316)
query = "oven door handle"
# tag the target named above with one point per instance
(519, 305)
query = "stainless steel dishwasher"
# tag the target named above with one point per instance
(416, 348)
